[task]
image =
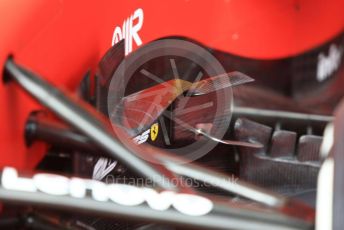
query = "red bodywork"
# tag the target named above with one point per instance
(62, 39)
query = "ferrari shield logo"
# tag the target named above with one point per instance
(154, 131)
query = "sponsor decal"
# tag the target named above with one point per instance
(102, 168)
(121, 194)
(328, 64)
(129, 31)
(142, 138)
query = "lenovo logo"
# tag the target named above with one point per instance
(122, 194)
(129, 31)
